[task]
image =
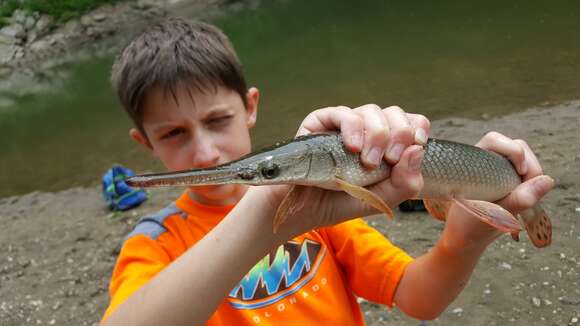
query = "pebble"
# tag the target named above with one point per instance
(578, 209)
(536, 301)
(99, 17)
(574, 320)
(505, 265)
(457, 311)
(360, 300)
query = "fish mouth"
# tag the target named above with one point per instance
(199, 177)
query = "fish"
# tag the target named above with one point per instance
(453, 172)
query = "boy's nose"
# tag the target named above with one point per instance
(205, 153)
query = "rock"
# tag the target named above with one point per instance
(18, 54)
(43, 24)
(32, 36)
(19, 16)
(86, 21)
(99, 17)
(144, 4)
(7, 52)
(72, 28)
(29, 23)
(8, 40)
(40, 45)
(458, 311)
(505, 265)
(15, 31)
(360, 300)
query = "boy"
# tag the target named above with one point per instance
(211, 257)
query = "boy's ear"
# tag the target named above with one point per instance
(140, 138)
(252, 99)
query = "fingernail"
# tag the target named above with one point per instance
(395, 152)
(374, 156)
(416, 160)
(523, 168)
(357, 140)
(549, 179)
(420, 137)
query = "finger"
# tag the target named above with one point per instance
(496, 142)
(406, 180)
(527, 194)
(376, 134)
(339, 118)
(533, 166)
(422, 127)
(402, 134)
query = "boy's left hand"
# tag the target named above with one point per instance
(466, 230)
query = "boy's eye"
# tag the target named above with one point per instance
(219, 120)
(173, 133)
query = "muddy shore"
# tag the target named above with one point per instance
(58, 249)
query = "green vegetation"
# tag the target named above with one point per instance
(60, 10)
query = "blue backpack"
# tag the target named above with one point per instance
(117, 193)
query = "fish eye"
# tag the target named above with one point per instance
(270, 171)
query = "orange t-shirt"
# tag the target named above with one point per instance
(311, 280)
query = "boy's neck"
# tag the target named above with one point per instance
(231, 200)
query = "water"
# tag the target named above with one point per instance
(438, 58)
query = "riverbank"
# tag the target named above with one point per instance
(32, 43)
(59, 248)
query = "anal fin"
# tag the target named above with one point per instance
(365, 195)
(538, 226)
(437, 208)
(492, 214)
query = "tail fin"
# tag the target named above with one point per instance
(538, 225)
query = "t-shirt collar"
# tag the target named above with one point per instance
(192, 207)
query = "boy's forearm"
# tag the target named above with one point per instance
(190, 289)
(433, 281)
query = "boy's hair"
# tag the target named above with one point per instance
(173, 52)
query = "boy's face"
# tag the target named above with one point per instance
(199, 130)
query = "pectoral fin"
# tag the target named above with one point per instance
(437, 208)
(365, 195)
(289, 205)
(538, 225)
(491, 214)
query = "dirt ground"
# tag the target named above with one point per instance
(58, 249)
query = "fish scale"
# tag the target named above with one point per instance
(466, 170)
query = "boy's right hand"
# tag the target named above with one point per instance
(376, 133)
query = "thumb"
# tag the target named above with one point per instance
(406, 180)
(527, 194)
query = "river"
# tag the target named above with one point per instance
(469, 59)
